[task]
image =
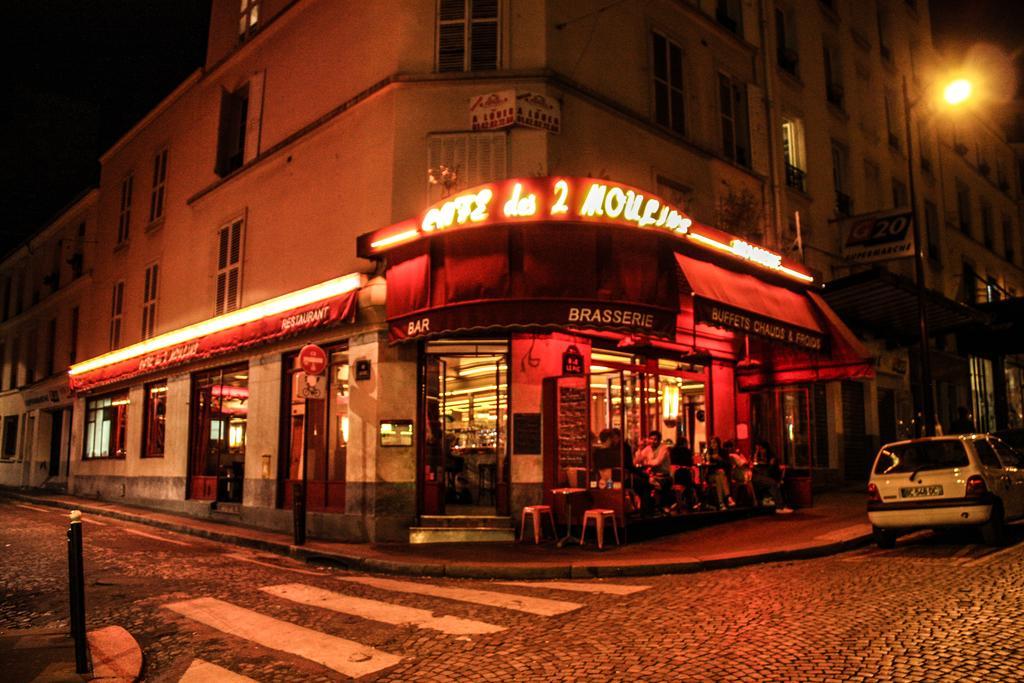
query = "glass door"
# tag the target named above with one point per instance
(220, 400)
(464, 451)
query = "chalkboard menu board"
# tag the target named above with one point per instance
(526, 433)
(573, 424)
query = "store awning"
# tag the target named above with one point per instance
(744, 303)
(776, 365)
(322, 305)
(886, 304)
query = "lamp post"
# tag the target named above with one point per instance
(927, 403)
(955, 93)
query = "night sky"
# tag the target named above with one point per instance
(84, 71)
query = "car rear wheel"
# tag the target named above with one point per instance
(884, 538)
(993, 532)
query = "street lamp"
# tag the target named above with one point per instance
(955, 93)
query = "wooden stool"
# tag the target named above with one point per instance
(599, 516)
(537, 512)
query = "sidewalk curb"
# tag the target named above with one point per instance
(687, 565)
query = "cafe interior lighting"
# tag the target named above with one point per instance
(277, 305)
(478, 370)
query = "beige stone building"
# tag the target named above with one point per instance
(45, 282)
(226, 238)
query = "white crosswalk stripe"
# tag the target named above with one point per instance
(520, 603)
(388, 613)
(580, 586)
(245, 558)
(347, 657)
(201, 671)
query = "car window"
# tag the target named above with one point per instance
(922, 455)
(1008, 456)
(987, 455)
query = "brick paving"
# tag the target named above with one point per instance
(936, 608)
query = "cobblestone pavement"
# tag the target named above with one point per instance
(937, 607)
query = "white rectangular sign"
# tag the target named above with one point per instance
(878, 236)
(493, 110)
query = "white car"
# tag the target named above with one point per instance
(945, 481)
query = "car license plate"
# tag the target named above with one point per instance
(920, 491)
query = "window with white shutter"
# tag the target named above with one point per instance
(475, 158)
(149, 289)
(116, 314)
(156, 196)
(467, 35)
(124, 217)
(229, 267)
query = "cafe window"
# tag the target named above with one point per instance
(317, 428)
(155, 421)
(220, 411)
(106, 423)
(465, 401)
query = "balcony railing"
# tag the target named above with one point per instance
(796, 178)
(844, 204)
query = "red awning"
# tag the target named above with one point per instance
(778, 365)
(323, 313)
(746, 304)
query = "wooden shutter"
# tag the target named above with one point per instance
(478, 158)
(758, 119)
(229, 267)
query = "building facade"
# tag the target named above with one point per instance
(228, 228)
(45, 283)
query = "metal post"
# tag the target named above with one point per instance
(76, 585)
(299, 487)
(927, 402)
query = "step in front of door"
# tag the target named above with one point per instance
(464, 534)
(467, 521)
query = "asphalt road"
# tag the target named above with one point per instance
(937, 607)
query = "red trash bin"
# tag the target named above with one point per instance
(797, 488)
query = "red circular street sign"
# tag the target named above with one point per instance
(312, 359)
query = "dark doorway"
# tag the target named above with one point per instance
(56, 429)
(856, 451)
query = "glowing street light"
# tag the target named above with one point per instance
(957, 92)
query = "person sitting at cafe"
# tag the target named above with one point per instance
(686, 495)
(767, 478)
(742, 471)
(605, 459)
(654, 455)
(720, 465)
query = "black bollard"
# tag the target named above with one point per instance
(299, 512)
(76, 584)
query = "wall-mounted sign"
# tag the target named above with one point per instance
(362, 369)
(395, 433)
(720, 315)
(659, 322)
(534, 110)
(526, 434)
(572, 362)
(507, 108)
(577, 200)
(493, 110)
(879, 236)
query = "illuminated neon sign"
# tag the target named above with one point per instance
(581, 200)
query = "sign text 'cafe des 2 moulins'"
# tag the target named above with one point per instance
(534, 265)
